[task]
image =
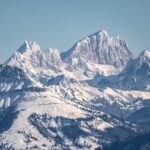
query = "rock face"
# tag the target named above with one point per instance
(12, 78)
(30, 54)
(101, 49)
(136, 76)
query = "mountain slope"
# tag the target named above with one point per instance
(136, 76)
(43, 120)
(99, 48)
(12, 78)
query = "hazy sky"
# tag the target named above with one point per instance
(60, 23)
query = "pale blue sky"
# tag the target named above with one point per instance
(60, 23)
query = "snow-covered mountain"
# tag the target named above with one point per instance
(29, 54)
(81, 100)
(136, 76)
(38, 64)
(99, 48)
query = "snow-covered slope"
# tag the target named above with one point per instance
(12, 78)
(81, 101)
(30, 54)
(39, 64)
(136, 76)
(99, 48)
(43, 121)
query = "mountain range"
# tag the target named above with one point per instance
(96, 95)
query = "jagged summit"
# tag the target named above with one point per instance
(100, 48)
(30, 54)
(102, 33)
(28, 46)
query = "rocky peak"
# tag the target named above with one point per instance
(29, 54)
(28, 46)
(100, 48)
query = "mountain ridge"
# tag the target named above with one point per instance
(100, 48)
(77, 102)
